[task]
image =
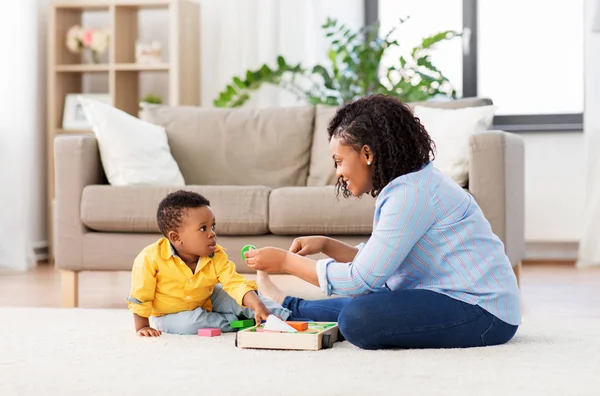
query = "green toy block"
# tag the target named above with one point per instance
(319, 326)
(242, 324)
(245, 249)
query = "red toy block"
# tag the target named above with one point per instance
(209, 332)
(300, 326)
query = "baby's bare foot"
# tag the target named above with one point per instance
(267, 288)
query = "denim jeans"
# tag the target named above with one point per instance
(412, 318)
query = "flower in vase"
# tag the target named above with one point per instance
(94, 40)
(88, 36)
(99, 41)
(75, 39)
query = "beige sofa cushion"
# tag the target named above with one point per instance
(317, 210)
(239, 147)
(238, 210)
(321, 171)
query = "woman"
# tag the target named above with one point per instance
(432, 274)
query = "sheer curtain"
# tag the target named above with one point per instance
(589, 247)
(20, 120)
(237, 35)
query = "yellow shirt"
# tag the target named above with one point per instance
(161, 283)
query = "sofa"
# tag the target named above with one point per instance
(270, 178)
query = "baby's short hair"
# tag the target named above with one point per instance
(172, 208)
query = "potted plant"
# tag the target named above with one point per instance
(151, 98)
(354, 70)
(146, 101)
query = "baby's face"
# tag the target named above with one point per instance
(197, 232)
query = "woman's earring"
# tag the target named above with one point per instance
(368, 162)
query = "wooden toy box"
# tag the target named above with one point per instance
(319, 335)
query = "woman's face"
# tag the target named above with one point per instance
(354, 167)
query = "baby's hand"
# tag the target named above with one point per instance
(148, 332)
(261, 313)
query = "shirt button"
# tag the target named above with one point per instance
(190, 281)
(188, 297)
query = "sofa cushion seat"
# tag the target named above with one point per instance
(317, 210)
(238, 210)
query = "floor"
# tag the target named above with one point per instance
(549, 289)
(96, 352)
(555, 352)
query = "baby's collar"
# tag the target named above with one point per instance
(170, 251)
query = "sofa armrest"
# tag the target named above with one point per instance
(497, 182)
(76, 165)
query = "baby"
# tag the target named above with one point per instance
(185, 281)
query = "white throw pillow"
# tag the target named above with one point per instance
(133, 152)
(451, 129)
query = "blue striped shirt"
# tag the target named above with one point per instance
(428, 233)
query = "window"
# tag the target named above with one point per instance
(423, 23)
(530, 55)
(526, 55)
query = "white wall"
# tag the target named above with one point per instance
(554, 186)
(589, 252)
(592, 89)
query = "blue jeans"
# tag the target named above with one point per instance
(410, 318)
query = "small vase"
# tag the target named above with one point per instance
(91, 57)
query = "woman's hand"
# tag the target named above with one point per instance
(268, 259)
(304, 246)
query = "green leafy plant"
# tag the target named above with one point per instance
(152, 99)
(355, 69)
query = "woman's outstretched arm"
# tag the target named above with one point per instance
(301, 267)
(275, 260)
(340, 251)
(404, 216)
(315, 244)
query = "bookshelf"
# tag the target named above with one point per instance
(117, 74)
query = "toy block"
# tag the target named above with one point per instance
(209, 332)
(320, 326)
(300, 326)
(242, 324)
(275, 324)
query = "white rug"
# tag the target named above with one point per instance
(85, 351)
